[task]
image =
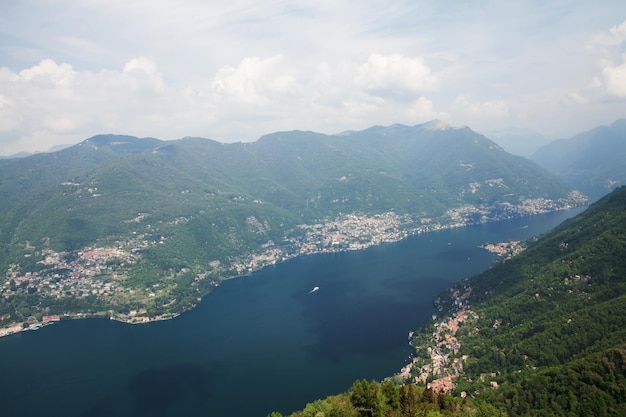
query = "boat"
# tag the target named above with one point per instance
(314, 289)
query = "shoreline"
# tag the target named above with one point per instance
(137, 317)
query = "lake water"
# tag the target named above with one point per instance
(256, 344)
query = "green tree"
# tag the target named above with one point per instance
(409, 399)
(391, 393)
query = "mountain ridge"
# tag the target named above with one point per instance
(592, 161)
(550, 317)
(169, 220)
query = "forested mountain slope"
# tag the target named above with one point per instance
(544, 332)
(142, 228)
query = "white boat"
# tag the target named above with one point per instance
(314, 289)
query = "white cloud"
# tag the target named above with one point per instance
(238, 70)
(610, 80)
(142, 76)
(619, 32)
(468, 108)
(48, 101)
(395, 76)
(574, 98)
(8, 119)
(615, 36)
(615, 80)
(255, 81)
(595, 83)
(140, 67)
(52, 100)
(48, 72)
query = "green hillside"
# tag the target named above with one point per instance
(388, 399)
(139, 229)
(544, 332)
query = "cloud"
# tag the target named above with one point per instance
(32, 100)
(49, 73)
(47, 101)
(39, 140)
(238, 70)
(609, 47)
(8, 119)
(50, 100)
(619, 32)
(615, 80)
(575, 98)
(615, 36)
(255, 81)
(142, 75)
(468, 108)
(395, 76)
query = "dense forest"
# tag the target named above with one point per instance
(561, 308)
(388, 399)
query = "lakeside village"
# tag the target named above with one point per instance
(436, 362)
(101, 272)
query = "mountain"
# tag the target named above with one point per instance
(17, 155)
(25, 154)
(593, 162)
(518, 141)
(543, 332)
(139, 229)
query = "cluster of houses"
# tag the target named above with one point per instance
(92, 271)
(442, 364)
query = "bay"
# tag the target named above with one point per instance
(258, 343)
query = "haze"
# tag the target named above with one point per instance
(236, 70)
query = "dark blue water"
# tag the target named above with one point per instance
(256, 344)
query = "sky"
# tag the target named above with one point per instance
(239, 69)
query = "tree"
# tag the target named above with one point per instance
(392, 397)
(408, 398)
(429, 396)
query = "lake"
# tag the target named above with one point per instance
(256, 344)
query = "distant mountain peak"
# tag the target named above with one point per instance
(120, 143)
(592, 162)
(620, 123)
(437, 124)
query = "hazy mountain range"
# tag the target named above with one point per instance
(25, 154)
(593, 162)
(126, 224)
(518, 141)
